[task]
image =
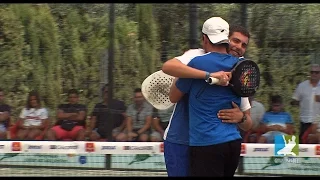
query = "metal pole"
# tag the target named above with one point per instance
(244, 15)
(193, 24)
(110, 76)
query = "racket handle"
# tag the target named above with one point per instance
(212, 80)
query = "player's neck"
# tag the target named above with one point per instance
(218, 49)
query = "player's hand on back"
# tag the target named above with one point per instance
(233, 115)
(224, 77)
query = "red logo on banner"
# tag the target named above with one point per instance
(161, 147)
(16, 146)
(317, 150)
(243, 149)
(89, 147)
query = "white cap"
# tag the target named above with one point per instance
(217, 29)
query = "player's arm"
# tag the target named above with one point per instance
(176, 68)
(236, 114)
(246, 125)
(175, 94)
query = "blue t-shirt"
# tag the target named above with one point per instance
(277, 118)
(177, 130)
(205, 100)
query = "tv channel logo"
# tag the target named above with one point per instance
(286, 145)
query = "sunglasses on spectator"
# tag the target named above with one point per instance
(314, 72)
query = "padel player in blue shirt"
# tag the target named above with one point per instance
(214, 146)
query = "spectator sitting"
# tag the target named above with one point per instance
(70, 120)
(101, 125)
(160, 122)
(139, 117)
(32, 119)
(276, 121)
(5, 110)
(257, 111)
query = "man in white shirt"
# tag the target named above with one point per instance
(304, 96)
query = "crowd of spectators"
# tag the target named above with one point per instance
(113, 121)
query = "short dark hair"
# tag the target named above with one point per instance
(33, 93)
(240, 29)
(73, 91)
(276, 99)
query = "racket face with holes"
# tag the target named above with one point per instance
(155, 89)
(245, 78)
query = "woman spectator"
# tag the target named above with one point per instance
(32, 119)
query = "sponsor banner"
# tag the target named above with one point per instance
(243, 149)
(54, 160)
(128, 148)
(282, 165)
(260, 150)
(306, 150)
(108, 147)
(81, 147)
(317, 150)
(161, 148)
(138, 161)
(16, 147)
(65, 148)
(267, 150)
(33, 147)
(89, 147)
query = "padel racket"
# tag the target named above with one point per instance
(245, 78)
(155, 89)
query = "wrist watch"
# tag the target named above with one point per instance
(244, 118)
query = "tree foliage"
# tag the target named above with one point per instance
(55, 47)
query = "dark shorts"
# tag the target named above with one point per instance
(219, 160)
(176, 157)
(303, 129)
